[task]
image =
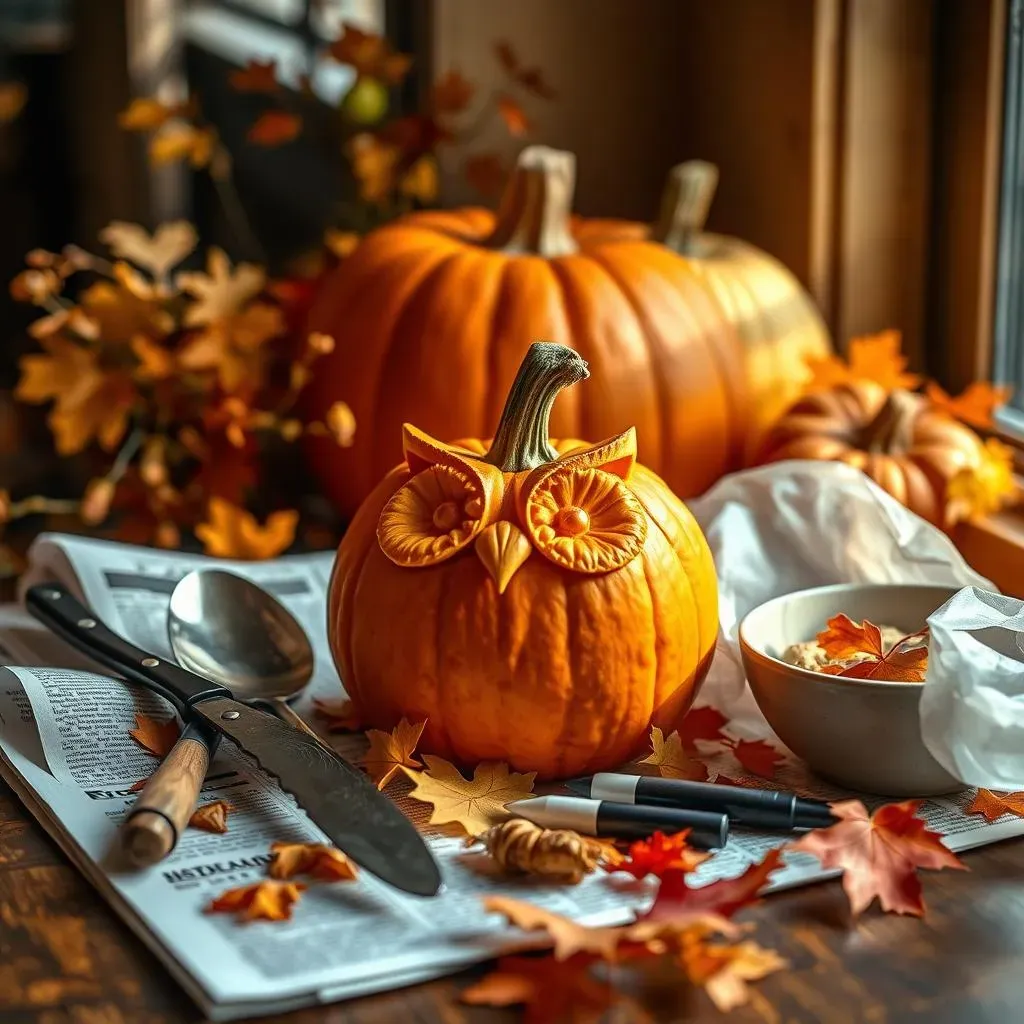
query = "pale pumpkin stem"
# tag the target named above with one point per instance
(891, 432)
(535, 210)
(522, 439)
(685, 203)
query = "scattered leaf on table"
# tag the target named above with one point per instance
(211, 817)
(974, 406)
(994, 805)
(550, 990)
(758, 757)
(476, 804)
(390, 750)
(723, 970)
(274, 128)
(513, 115)
(340, 714)
(452, 93)
(231, 532)
(670, 759)
(256, 76)
(155, 735)
(567, 936)
(158, 253)
(677, 900)
(703, 723)
(269, 901)
(874, 357)
(978, 491)
(843, 638)
(659, 855)
(879, 854)
(316, 859)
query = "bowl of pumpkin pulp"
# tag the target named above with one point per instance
(848, 704)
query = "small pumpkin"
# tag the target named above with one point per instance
(432, 312)
(540, 603)
(907, 446)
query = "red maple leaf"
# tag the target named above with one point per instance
(704, 723)
(659, 855)
(758, 757)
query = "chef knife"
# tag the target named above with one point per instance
(356, 817)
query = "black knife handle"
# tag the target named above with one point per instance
(55, 607)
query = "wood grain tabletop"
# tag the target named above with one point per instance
(66, 958)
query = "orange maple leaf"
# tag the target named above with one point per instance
(155, 735)
(231, 532)
(723, 970)
(900, 665)
(390, 750)
(316, 859)
(269, 901)
(274, 128)
(879, 854)
(341, 715)
(211, 817)
(874, 357)
(668, 756)
(703, 723)
(513, 115)
(757, 756)
(369, 55)
(843, 638)
(659, 855)
(974, 405)
(256, 76)
(486, 172)
(994, 805)
(452, 93)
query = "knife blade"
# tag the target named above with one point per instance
(361, 821)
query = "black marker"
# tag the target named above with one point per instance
(761, 808)
(708, 830)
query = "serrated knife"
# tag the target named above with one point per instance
(361, 821)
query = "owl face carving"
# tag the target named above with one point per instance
(576, 511)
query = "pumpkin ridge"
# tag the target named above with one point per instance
(442, 696)
(572, 652)
(652, 700)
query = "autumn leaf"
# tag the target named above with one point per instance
(723, 970)
(879, 854)
(374, 164)
(549, 990)
(476, 804)
(369, 55)
(155, 735)
(757, 756)
(341, 243)
(390, 750)
(231, 532)
(256, 76)
(994, 805)
(211, 817)
(274, 128)
(974, 405)
(268, 900)
(978, 491)
(340, 715)
(145, 114)
(676, 900)
(900, 665)
(843, 638)
(659, 855)
(158, 253)
(452, 93)
(874, 357)
(531, 79)
(178, 140)
(486, 172)
(221, 291)
(420, 182)
(513, 115)
(670, 759)
(324, 862)
(13, 97)
(567, 936)
(703, 723)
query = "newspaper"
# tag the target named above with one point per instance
(65, 750)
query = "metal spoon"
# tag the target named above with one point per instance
(225, 628)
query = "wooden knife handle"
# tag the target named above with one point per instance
(167, 801)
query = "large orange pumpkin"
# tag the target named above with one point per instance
(540, 603)
(907, 446)
(431, 314)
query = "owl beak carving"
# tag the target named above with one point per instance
(503, 547)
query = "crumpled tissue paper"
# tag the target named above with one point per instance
(793, 525)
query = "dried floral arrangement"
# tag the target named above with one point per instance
(183, 380)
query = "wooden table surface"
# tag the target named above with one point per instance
(66, 957)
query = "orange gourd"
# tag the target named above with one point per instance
(432, 313)
(540, 603)
(906, 445)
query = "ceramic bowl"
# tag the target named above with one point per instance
(860, 734)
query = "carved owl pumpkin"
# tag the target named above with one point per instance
(540, 603)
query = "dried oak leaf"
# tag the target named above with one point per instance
(155, 735)
(549, 990)
(476, 804)
(231, 532)
(659, 855)
(974, 405)
(994, 805)
(369, 55)
(211, 817)
(758, 757)
(222, 290)
(567, 936)
(341, 715)
(874, 357)
(158, 253)
(256, 76)
(879, 854)
(668, 756)
(316, 859)
(269, 901)
(978, 491)
(389, 751)
(723, 970)
(513, 115)
(703, 723)
(274, 128)
(452, 93)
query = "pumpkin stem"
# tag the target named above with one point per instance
(891, 432)
(685, 202)
(521, 440)
(534, 214)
